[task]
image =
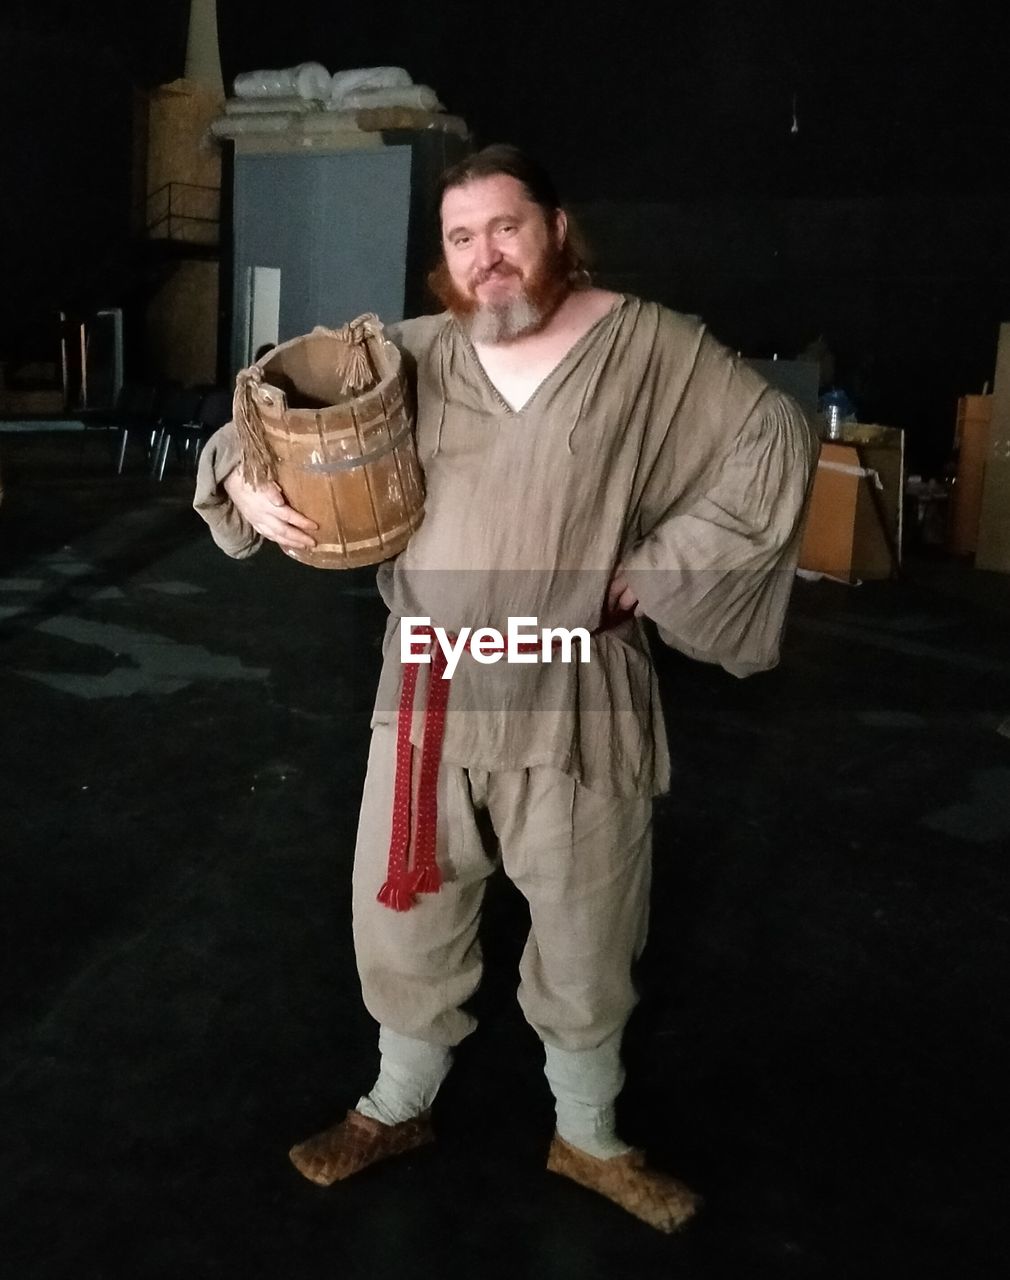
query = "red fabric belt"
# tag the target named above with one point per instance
(403, 879)
(406, 877)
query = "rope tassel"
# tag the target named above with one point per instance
(395, 896)
(427, 879)
(357, 374)
(257, 462)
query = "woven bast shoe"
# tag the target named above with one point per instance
(356, 1142)
(656, 1198)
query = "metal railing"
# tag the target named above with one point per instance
(184, 212)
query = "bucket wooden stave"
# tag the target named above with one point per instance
(328, 417)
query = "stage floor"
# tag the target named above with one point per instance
(821, 1043)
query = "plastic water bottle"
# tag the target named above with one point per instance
(836, 409)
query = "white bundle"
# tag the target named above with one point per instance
(309, 80)
(417, 96)
(344, 82)
(264, 106)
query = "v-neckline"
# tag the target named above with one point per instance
(581, 341)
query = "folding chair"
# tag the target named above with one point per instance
(134, 408)
(178, 415)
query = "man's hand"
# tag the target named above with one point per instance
(266, 509)
(620, 597)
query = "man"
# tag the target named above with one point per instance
(589, 458)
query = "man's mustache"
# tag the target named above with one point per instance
(499, 270)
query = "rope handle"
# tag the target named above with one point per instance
(362, 338)
(257, 461)
(360, 341)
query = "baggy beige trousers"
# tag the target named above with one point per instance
(581, 860)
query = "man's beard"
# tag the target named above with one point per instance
(524, 313)
(495, 322)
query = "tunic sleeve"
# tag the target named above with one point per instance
(715, 569)
(230, 530)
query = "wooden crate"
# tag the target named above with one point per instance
(993, 551)
(971, 439)
(853, 527)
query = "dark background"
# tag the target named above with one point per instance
(882, 224)
(822, 1042)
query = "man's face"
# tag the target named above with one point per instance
(501, 257)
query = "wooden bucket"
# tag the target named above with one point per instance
(328, 417)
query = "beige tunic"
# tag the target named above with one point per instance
(650, 446)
